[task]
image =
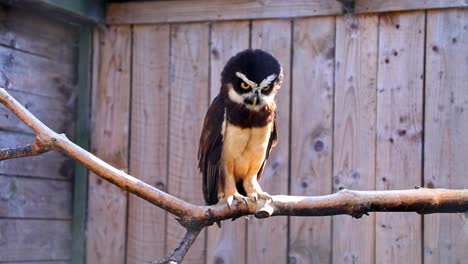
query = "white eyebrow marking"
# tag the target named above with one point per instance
(267, 81)
(246, 80)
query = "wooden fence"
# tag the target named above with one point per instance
(38, 62)
(370, 101)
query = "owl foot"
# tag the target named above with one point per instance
(238, 197)
(260, 195)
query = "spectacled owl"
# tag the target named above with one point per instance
(239, 129)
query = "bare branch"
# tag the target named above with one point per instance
(181, 249)
(23, 151)
(195, 218)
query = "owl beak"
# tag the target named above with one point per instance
(256, 99)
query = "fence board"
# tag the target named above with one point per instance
(354, 131)
(149, 126)
(226, 245)
(52, 165)
(37, 75)
(37, 34)
(189, 84)
(203, 10)
(107, 204)
(365, 6)
(34, 240)
(41, 107)
(311, 138)
(399, 131)
(264, 243)
(446, 122)
(34, 198)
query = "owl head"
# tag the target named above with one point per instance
(252, 78)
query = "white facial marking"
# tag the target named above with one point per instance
(240, 98)
(267, 81)
(234, 96)
(246, 80)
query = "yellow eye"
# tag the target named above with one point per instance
(266, 87)
(245, 86)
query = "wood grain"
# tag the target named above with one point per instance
(34, 198)
(226, 245)
(311, 133)
(37, 75)
(446, 119)
(354, 131)
(55, 113)
(149, 128)
(399, 130)
(183, 11)
(37, 34)
(189, 96)
(263, 245)
(107, 204)
(367, 6)
(34, 240)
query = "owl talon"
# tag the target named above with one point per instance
(261, 195)
(229, 200)
(254, 196)
(265, 196)
(236, 196)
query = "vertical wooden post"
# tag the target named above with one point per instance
(311, 133)
(189, 93)
(148, 141)
(80, 180)
(399, 131)
(107, 204)
(446, 124)
(354, 131)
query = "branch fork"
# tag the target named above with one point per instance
(194, 218)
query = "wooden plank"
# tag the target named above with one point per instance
(399, 131)
(107, 204)
(34, 240)
(34, 198)
(311, 134)
(52, 165)
(263, 245)
(226, 245)
(370, 6)
(446, 146)
(184, 11)
(37, 75)
(38, 35)
(189, 84)
(149, 128)
(354, 131)
(55, 113)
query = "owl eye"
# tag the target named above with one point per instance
(245, 85)
(266, 87)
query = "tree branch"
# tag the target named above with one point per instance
(23, 151)
(195, 218)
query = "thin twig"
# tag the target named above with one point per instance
(182, 248)
(195, 218)
(23, 151)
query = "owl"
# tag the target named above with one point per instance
(239, 129)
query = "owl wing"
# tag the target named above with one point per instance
(271, 143)
(209, 150)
